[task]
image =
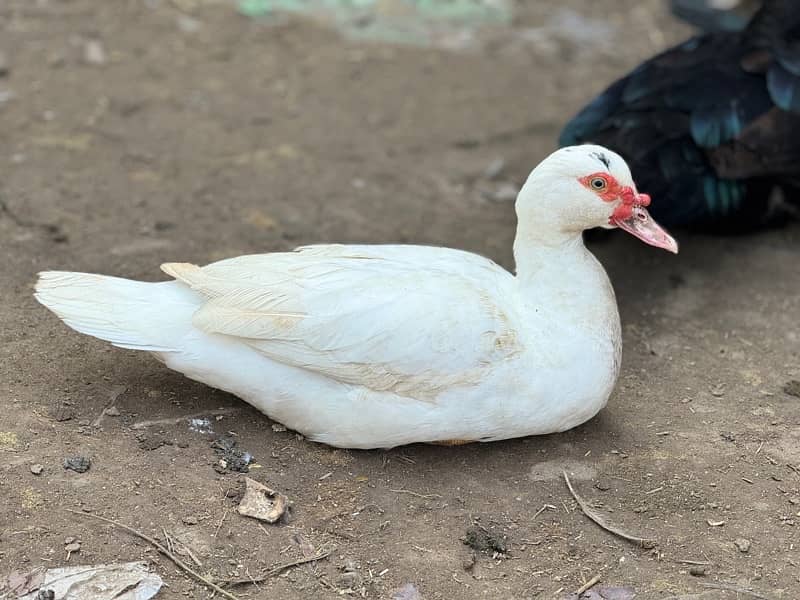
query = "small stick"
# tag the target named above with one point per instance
(595, 516)
(693, 562)
(735, 588)
(167, 539)
(176, 420)
(192, 556)
(172, 539)
(277, 570)
(161, 549)
(426, 496)
(221, 521)
(589, 584)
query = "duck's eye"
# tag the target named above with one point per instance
(598, 184)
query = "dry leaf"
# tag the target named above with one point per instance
(261, 502)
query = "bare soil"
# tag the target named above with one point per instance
(242, 137)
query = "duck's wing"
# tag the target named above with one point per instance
(768, 146)
(406, 319)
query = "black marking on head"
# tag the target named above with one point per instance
(603, 159)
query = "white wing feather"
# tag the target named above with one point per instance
(407, 319)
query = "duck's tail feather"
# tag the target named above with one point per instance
(129, 314)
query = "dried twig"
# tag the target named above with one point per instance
(172, 538)
(167, 539)
(410, 493)
(277, 570)
(595, 516)
(161, 549)
(730, 587)
(589, 584)
(221, 521)
(176, 420)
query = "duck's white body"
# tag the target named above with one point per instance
(377, 346)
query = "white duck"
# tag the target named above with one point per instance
(365, 346)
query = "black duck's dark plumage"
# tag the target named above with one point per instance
(711, 128)
(708, 16)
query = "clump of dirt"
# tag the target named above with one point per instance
(79, 464)
(792, 388)
(63, 412)
(152, 441)
(486, 540)
(230, 457)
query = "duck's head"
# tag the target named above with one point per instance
(582, 187)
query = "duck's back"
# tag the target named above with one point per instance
(709, 126)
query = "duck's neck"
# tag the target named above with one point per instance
(557, 272)
(535, 255)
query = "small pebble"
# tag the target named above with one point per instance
(188, 24)
(742, 544)
(349, 565)
(69, 540)
(37, 469)
(94, 53)
(697, 571)
(190, 520)
(112, 411)
(73, 547)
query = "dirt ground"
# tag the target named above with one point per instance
(193, 133)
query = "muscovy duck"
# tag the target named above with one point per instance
(376, 346)
(712, 126)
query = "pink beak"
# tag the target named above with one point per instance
(642, 225)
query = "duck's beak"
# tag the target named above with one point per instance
(644, 227)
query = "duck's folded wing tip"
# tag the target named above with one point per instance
(185, 272)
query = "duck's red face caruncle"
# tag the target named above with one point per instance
(630, 213)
